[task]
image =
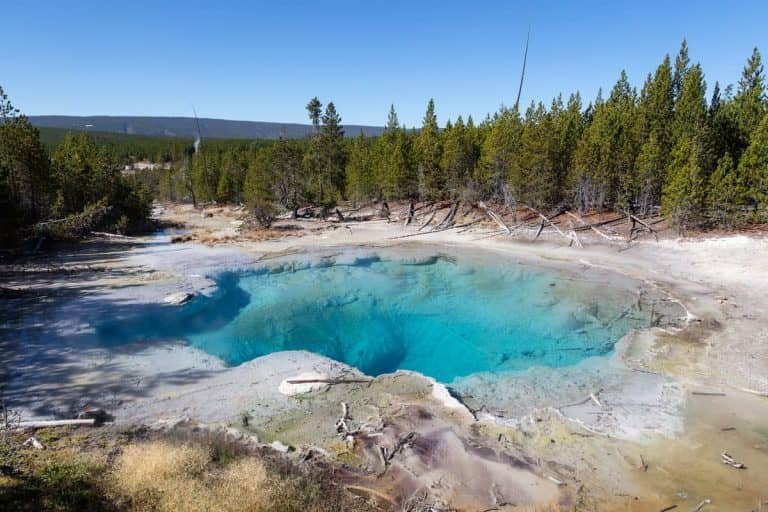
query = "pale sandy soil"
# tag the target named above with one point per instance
(649, 443)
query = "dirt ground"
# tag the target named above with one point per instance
(651, 439)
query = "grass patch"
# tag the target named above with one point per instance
(110, 470)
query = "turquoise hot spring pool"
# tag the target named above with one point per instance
(443, 316)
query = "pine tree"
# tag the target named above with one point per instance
(532, 179)
(725, 194)
(691, 105)
(498, 154)
(25, 184)
(332, 158)
(315, 110)
(682, 64)
(431, 179)
(753, 171)
(459, 157)
(684, 193)
(651, 165)
(360, 178)
(750, 99)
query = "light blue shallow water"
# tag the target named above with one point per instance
(441, 317)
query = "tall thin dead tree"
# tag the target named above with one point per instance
(522, 74)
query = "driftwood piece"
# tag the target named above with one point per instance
(436, 230)
(329, 381)
(448, 220)
(634, 220)
(112, 235)
(667, 509)
(494, 217)
(401, 443)
(708, 393)
(34, 443)
(434, 212)
(588, 226)
(54, 423)
(701, 505)
(730, 461)
(592, 396)
(571, 237)
(409, 217)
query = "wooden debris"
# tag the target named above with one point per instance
(329, 381)
(55, 423)
(643, 464)
(449, 219)
(409, 218)
(494, 217)
(752, 391)
(667, 509)
(585, 226)
(34, 443)
(730, 461)
(592, 396)
(571, 237)
(701, 505)
(555, 480)
(708, 393)
(401, 443)
(432, 216)
(634, 221)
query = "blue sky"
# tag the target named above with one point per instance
(263, 61)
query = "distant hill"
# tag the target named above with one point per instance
(184, 127)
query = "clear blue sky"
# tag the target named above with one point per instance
(240, 60)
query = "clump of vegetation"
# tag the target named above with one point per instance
(108, 470)
(77, 189)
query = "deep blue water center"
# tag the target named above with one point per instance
(442, 317)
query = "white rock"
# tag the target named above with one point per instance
(280, 447)
(178, 298)
(290, 389)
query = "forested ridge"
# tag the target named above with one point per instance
(699, 157)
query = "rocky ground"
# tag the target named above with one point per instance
(643, 433)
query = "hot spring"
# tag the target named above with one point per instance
(443, 316)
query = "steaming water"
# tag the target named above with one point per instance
(443, 317)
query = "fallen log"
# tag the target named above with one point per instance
(329, 381)
(54, 423)
(401, 443)
(588, 226)
(701, 505)
(34, 443)
(494, 217)
(572, 238)
(409, 218)
(436, 230)
(644, 224)
(434, 212)
(448, 220)
(708, 393)
(112, 235)
(730, 461)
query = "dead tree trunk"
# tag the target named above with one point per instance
(448, 220)
(409, 218)
(494, 217)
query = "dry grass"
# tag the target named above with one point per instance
(164, 476)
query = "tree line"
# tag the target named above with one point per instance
(73, 189)
(699, 158)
